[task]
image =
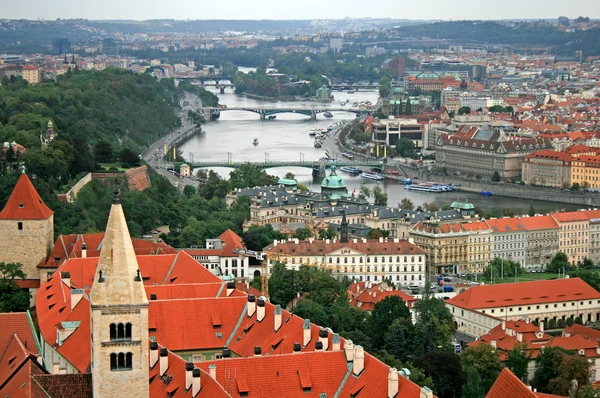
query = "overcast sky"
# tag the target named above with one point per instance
(297, 9)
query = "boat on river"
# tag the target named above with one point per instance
(327, 114)
(317, 143)
(485, 193)
(255, 142)
(424, 187)
(373, 176)
(406, 181)
(271, 117)
(351, 170)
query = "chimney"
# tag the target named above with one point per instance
(392, 383)
(164, 361)
(359, 360)
(542, 326)
(153, 353)
(251, 305)
(297, 347)
(335, 342)
(426, 393)
(83, 250)
(230, 288)
(323, 339)
(519, 337)
(66, 278)
(257, 351)
(306, 332)
(76, 295)
(260, 311)
(189, 367)
(277, 317)
(412, 240)
(212, 371)
(349, 350)
(196, 382)
(503, 325)
(381, 239)
(404, 372)
(527, 320)
(493, 343)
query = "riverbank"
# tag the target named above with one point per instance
(288, 98)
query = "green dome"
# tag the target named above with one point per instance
(287, 181)
(333, 181)
(462, 205)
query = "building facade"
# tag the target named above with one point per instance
(547, 168)
(389, 131)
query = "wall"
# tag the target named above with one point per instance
(71, 195)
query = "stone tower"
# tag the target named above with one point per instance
(26, 228)
(344, 229)
(119, 310)
(48, 136)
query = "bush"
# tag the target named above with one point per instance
(113, 169)
(570, 321)
(125, 165)
(552, 324)
(560, 324)
(578, 320)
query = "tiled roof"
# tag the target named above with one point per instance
(525, 293)
(25, 203)
(366, 301)
(21, 383)
(16, 323)
(585, 331)
(548, 154)
(570, 216)
(321, 247)
(508, 225)
(76, 385)
(231, 241)
(12, 358)
(539, 222)
(509, 385)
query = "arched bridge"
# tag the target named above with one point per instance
(338, 164)
(312, 112)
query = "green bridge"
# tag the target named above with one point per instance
(288, 163)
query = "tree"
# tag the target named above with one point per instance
(258, 237)
(364, 192)
(464, 110)
(557, 367)
(431, 206)
(518, 360)
(445, 370)
(376, 233)
(531, 209)
(381, 197)
(385, 86)
(383, 315)
(328, 233)
(575, 186)
(496, 177)
(308, 309)
(485, 359)
(129, 157)
(211, 185)
(472, 387)
(406, 204)
(12, 297)
(405, 148)
(400, 338)
(417, 375)
(408, 108)
(496, 109)
(587, 263)
(558, 262)
(189, 190)
(290, 176)
(249, 175)
(103, 152)
(302, 233)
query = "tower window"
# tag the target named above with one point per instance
(120, 331)
(121, 361)
(20, 226)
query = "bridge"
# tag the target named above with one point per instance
(312, 112)
(284, 163)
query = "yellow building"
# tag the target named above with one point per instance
(446, 246)
(573, 235)
(31, 74)
(585, 171)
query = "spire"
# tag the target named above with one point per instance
(117, 281)
(344, 228)
(25, 202)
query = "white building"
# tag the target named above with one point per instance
(509, 239)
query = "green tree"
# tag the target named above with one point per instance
(127, 156)
(258, 237)
(556, 368)
(328, 233)
(364, 192)
(290, 176)
(405, 148)
(518, 360)
(408, 109)
(496, 177)
(381, 197)
(376, 233)
(385, 86)
(417, 375)
(559, 262)
(383, 315)
(445, 370)
(531, 209)
(400, 338)
(308, 309)
(103, 152)
(302, 233)
(281, 285)
(406, 204)
(587, 263)
(12, 297)
(496, 109)
(485, 359)
(211, 185)
(576, 186)
(189, 190)
(472, 387)
(249, 175)
(464, 110)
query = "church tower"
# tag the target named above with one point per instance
(48, 136)
(344, 229)
(119, 311)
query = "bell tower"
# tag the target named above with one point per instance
(344, 229)
(119, 311)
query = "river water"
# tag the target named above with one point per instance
(286, 138)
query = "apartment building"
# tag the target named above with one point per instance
(389, 131)
(481, 243)
(573, 235)
(31, 74)
(479, 309)
(509, 239)
(585, 171)
(541, 240)
(446, 246)
(548, 168)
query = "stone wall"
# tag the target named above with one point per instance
(71, 195)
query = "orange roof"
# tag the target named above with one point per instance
(548, 154)
(25, 203)
(539, 222)
(570, 216)
(508, 224)
(524, 293)
(509, 385)
(372, 246)
(585, 331)
(13, 357)
(16, 323)
(367, 302)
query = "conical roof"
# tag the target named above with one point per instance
(333, 181)
(25, 203)
(119, 283)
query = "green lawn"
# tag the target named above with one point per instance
(520, 278)
(107, 166)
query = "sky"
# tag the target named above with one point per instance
(295, 9)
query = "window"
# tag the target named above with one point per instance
(121, 361)
(20, 226)
(120, 331)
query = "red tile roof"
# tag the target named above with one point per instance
(570, 216)
(75, 385)
(20, 383)
(16, 323)
(12, 358)
(25, 203)
(506, 225)
(509, 385)
(524, 293)
(321, 247)
(367, 302)
(539, 222)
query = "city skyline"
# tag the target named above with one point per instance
(309, 9)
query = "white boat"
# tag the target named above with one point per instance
(317, 144)
(373, 176)
(255, 142)
(424, 187)
(343, 103)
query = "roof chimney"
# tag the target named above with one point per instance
(277, 317)
(65, 277)
(83, 250)
(212, 371)
(153, 353)
(230, 288)
(189, 367)
(359, 361)
(251, 305)
(323, 339)
(404, 372)
(503, 325)
(76, 295)
(381, 239)
(226, 353)
(257, 351)
(260, 312)
(519, 337)
(392, 383)
(426, 393)
(493, 343)
(306, 332)
(196, 386)
(335, 342)
(297, 347)
(349, 350)
(542, 326)
(164, 361)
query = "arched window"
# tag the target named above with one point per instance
(121, 361)
(129, 361)
(113, 361)
(120, 331)
(128, 331)
(113, 331)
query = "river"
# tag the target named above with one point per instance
(286, 138)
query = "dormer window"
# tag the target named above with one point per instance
(21, 205)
